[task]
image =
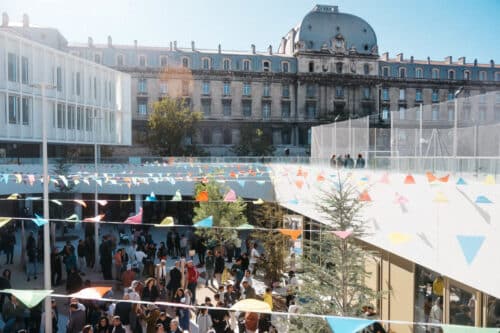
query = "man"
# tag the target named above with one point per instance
(10, 242)
(360, 162)
(56, 267)
(174, 327)
(248, 291)
(106, 258)
(161, 272)
(76, 319)
(238, 272)
(123, 310)
(12, 313)
(164, 320)
(248, 277)
(251, 322)
(192, 279)
(31, 251)
(118, 264)
(219, 267)
(128, 276)
(175, 280)
(81, 253)
(183, 243)
(162, 251)
(117, 325)
(230, 296)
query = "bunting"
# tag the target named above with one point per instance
(347, 325)
(293, 233)
(30, 298)
(207, 222)
(470, 246)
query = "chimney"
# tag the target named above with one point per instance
(171, 47)
(26, 21)
(90, 42)
(411, 59)
(5, 19)
(253, 48)
(461, 61)
(428, 60)
(399, 57)
(448, 60)
(270, 49)
(175, 45)
(110, 41)
(192, 46)
(219, 49)
(492, 63)
(385, 56)
(475, 62)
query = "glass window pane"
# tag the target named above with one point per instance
(462, 306)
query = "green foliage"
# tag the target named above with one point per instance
(253, 142)
(334, 282)
(225, 214)
(169, 124)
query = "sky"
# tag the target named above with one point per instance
(435, 28)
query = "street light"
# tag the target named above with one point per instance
(455, 126)
(46, 228)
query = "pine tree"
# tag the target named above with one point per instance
(335, 275)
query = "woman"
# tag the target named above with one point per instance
(103, 326)
(87, 329)
(150, 292)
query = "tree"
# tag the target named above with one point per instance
(169, 124)
(225, 214)
(253, 142)
(335, 275)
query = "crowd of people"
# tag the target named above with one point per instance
(347, 161)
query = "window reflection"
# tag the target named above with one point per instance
(462, 306)
(493, 312)
(428, 299)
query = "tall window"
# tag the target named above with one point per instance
(451, 94)
(163, 61)
(339, 66)
(142, 107)
(266, 66)
(61, 116)
(79, 118)
(247, 108)
(466, 75)
(285, 110)
(89, 119)
(435, 112)
(185, 88)
(451, 113)
(311, 110)
(26, 110)
(435, 73)
(97, 58)
(119, 60)
(25, 78)
(285, 90)
(266, 91)
(402, 113)
(497, 76)
(311, 91)
(226, 88)
(78, 84)
(285, 67)
(402, 72)
(206, 63)
(451, 74)
(143, 85)
(247, 89)
(205, 87)
(482, 76)
(385, 94)
(311, 67)
(385, 113)
(419, 73)
(246, 65)
(163, 87)
(286, 136)
(226, 64)
(385, 71)
(71, 117)
(435, 95)
(367, 93)
(142, 61)
(402, 94)
(418, 95)
(13, 109)
(185, 62)
(12, 67)
(366, 69)
(226, 108)
(339, 91)
(266, 110)
(206, 106)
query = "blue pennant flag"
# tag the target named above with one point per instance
(242, 183)
(207, 222)
(39, 221)
(151, 197)
(293, 202)
(461, 181)
(347, 325)
(483, 200)
(470, 246)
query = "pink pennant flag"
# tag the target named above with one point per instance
(97, 218)
(342, 234)
(230, 196)
(400, 200)
(136, 219)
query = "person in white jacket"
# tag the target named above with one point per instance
(204, 321)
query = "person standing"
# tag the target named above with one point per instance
(81, 253)
(123, 310)
(192, 279)
(219, 266)
(209, 268)
(174, 282)
(360, 162)
(254, 258)
(76, 319)
(56, 267)
(31, 251)
(106, 258)
(118, 264)
(9, 243)
(90, 253)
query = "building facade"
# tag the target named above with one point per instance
(326, 68)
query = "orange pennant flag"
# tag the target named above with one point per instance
(409, 179)
(299, 172)
(299, 183)
(364, 196)
(320, 178)
(444, 179)
(233, 174)
(202, 196)
(293, 233)
(430, 177)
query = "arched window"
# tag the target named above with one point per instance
(119, 60)
(311, 67)
(185, 62)
(266, 66)
(205, 62)
(366, 69)
(402, 72)
(435, 73)
(339, 66)
(226, 64)
(451, 74)
(246, 65)
(466, 75)
(419, 73)
(285, 67)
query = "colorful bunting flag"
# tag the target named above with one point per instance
(205, 223)
(342, 234)
(483, 200)
(151, 197)
(468, 329)
(440, 198)
(230, 196)
(430, 177)
(364, 196)
(97, 218)
(92, 293)
(241, 183)
(57, 202)
(102, 203)
(461, 181)
(166, 222)
(202, 196)
(13, 196)
(320, 178)
(293, 202)
(293, 233)
(245, 226)
(177, 196)
(409, 179)
(470, 246)
(30, 298)
(72, 218)
(399, 238)
(136, 219)
(347, 325)
(489, 180)
(81, 203)
(39, 221)
(299, 183)
(4, 221)
(259, 201)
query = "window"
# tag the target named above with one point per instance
(119, 60)
(385, 71)
(97, 58)
(418, 95)
(285, 110)
(247, 89)
(311, 91)
(304, 136)
(285, 90)
(311, 110)
(339, 66)
(142, 61)
(366, 69)
(385, 94)
(226, 64)
(71, 117)
(246, 65)
(78, 84)
(435, 95)
(266, 91)
(247, 108)
(311, 67)
(143, 85)
(266, 66)
(402, 113)
(227, 136)
(385, 113)
(286, 136)
(13, 110)
(482, 76)
(482, 114)
(12, 67)
(205, 63)
(451, 112)
(402, 94)
(205, 87)
(285, 67)
(451, 74)
(226, 88)
(435, 112)
(163, 61)
(435, 73)
(339, 92)
(266, 110)
(402, 72)
(89, 119)
(25, 78)
(185, 62)
(207, 136)
(367, 93)
(112, 124)
(466, 75)
(226, 108)
(497, 76)
(419, 73)
(79, 118)
(26, 110)
(206, 107)
(451, 94)
(142, 107)
(185, 88)
(497, 113)
(61, 116)
(59, 79)
(163, 88)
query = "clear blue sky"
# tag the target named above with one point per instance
(435, 28)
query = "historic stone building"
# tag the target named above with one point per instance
(328, 67)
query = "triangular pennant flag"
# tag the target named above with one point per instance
(81, 202)
(151, 197)
(127, 200)
(320, 178)
(4, 221)
(13, 196)
(467, 329)
(177, 196)
(34, 198)
(207, 222)
(39, 221)
(30, 298)
(470, 246)
(347, 325)
(364, 196)
(293, 201)
(400, 199)
(258, 202)
(136, 219)
(19, 178)
(299, 183)
(342, 234)
(241, 183)
(31, 179)
(245, 226)
(5, 178)
(92, 293)
(489, 180)
(293, 233)
(102, 202)
(57, 202)
(483, 200)
(444, 179)
(97, 218)
(440, 198)
(461, 181)
(72, 218)
(230, 196)
(202, 196)
(399, 238)
(166, 222)
(430, 177)
(409, 179)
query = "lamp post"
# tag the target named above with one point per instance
(455, 126)
(46, 228)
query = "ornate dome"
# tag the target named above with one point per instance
(326, 29)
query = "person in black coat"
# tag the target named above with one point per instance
(105, 252)
(175, 280)
(219, 267)
(9, 241)
(74, 283)
(123, 310)
(150, 292)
